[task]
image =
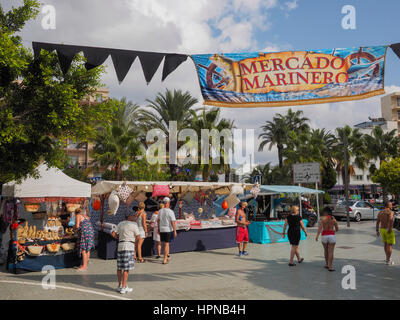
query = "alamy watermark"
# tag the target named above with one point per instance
(186, 147)
(49, 280)
(49, 17)
(349, 20)
(349, 280)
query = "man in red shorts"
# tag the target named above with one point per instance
(242, 234)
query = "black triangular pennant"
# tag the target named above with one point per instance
(95, 56)
(172, 61)
(65, 56)
(150, 62)
(65, 53)
(122, 60)
(396, 48)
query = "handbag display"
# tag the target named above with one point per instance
(68, 246)
(113, 203)
(188, 197)
(140, 197)
(124, 192)
(160, 191)
(232, 200)
(35, 250)
(53, 247)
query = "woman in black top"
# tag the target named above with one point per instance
(295, 223)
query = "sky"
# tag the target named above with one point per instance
(222, 26)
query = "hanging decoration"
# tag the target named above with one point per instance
(122, 59)
(260, 79)
(254, 79)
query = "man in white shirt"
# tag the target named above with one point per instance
(166, 226)
(127, 233)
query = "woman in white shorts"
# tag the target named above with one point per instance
(328, 227)
(156, 233)
(141, 222)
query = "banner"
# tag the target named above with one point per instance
(291, 78)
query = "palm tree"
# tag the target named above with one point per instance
(265, 172)
(170, 106)
(118, 143)
(356, 148)
(274, 133)
(295, 120)
(278, 131)
(382, 146)
(210, 120)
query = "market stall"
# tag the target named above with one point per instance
(33, 209)
(194, 234)
(271, 231)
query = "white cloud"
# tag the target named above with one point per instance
(291, 4)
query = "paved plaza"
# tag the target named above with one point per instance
(221, 274)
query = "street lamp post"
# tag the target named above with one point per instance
(346, 184)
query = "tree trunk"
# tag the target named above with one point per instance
(227, 173)
(118, 171)
(280, 149)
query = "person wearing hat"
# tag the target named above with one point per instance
(127, 233)
(166, 226)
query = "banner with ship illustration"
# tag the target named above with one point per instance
(291, 78)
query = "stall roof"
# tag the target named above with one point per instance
(272, 189)
(51, 183)
(220, 188)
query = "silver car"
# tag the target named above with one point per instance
(358, 210)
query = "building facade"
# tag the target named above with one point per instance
(360, 180)
(79, 153)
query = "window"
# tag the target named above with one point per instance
(368, 177)
(360, 204)
(398, 101)
(358, 177)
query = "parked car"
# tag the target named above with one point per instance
(358, 210)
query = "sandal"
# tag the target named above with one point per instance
(331, 270)
(292, 264)
(301, 260)
(165, 262)
(141, 261)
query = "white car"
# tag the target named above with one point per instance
(358, 210)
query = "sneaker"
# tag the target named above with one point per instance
(245, 253)
(390, 263)
(125, 290)
(240, 254)
(119, 289)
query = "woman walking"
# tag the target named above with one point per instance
(85, 237)
(328, 226)
(295, 223)
(141, 222)
(156, 233)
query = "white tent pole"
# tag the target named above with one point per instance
(301, 213)
(317, 195)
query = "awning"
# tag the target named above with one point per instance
(272, 189)
(220, 188)
(51, 183)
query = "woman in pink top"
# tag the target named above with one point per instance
(328, 226)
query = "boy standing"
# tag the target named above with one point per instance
(242, 234)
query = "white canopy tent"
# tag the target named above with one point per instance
(220, 188)
(51, 183)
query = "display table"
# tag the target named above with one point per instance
(192, 240)
(269, 232)
(58, 260)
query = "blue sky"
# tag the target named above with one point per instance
(210, 26)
